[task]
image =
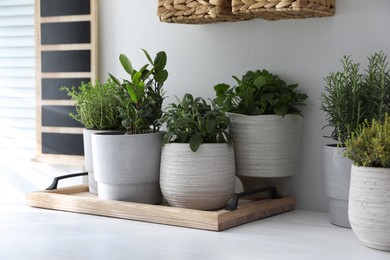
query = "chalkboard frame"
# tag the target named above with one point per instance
(53, 15)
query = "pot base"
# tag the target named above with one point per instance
(338, 212)
(251, 183)
(148, 193)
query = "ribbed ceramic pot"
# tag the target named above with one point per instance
(266, 148)
(337, 171)
(369, 206)
(202, 180)
(127, 167)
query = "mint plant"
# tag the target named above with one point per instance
(259, 93)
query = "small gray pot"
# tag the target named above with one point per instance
(337, 171)
(202, 180)
(127, 167)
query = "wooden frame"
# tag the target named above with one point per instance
(54, 21)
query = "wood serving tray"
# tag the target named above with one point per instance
(78, 199)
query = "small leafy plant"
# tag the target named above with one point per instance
(193, 121)
(351, 97)
(369, 146)
(96, 105)
(259, 93)
(142, 95)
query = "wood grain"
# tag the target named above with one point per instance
(78, 199)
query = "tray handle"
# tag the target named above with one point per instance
(234, 201)
(54, 184)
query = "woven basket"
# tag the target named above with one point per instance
(283, 9)
(197, 11)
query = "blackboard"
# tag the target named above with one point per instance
(65, 33)
(51, 87)
(66, 61)
(58, 116)
(66, 55)
(64, 7)
(68, 144)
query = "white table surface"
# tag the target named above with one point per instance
(32, 233)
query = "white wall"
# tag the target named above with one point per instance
(300, 51)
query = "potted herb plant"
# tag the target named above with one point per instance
(265, 127)
(349, 98)
(127, 164)
(97, 110)
(197, 160)
(369, 200)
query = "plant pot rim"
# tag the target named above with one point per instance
(202, 144)
(265, 115)
(335, 145)
(368, 167)
(119, 132)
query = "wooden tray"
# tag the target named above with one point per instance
(78, 199)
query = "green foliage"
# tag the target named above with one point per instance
(259, 93)
(142, 95)
(370, 145)
(193, 121)
(350, 97)
(96, 105)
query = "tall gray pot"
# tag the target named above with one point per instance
(202, 180)
(337, 171)
(127, 167)
(266, 147)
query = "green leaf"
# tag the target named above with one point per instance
(221, 89)
(160, 61)
(195, 142)
(160, 76)
(116, 81)
(148, 56)
(132, 94)
(261, 81)
(126, 64)
(136, 77)
(281, 110)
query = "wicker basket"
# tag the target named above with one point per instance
(283, 9)
(197, 11)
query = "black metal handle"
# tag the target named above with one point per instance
(234, 202)
(54, 184)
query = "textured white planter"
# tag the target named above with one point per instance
(266, 148)
(337, 171)
(202, 180)
(369, 206)
(127, 167)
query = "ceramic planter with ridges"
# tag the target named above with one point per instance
(266, 146)
(127, 167)
(202, 180)
(369, 206)
(337, 171)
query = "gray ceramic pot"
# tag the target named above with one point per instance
(127, 167)
(202, 180)
(369, 206)
(266, 148)
(337, 180)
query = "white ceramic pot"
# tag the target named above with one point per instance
(88, 158)
(202, 180)
(266, 148)
(369, 206)
(337, 171)
(127, 167)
